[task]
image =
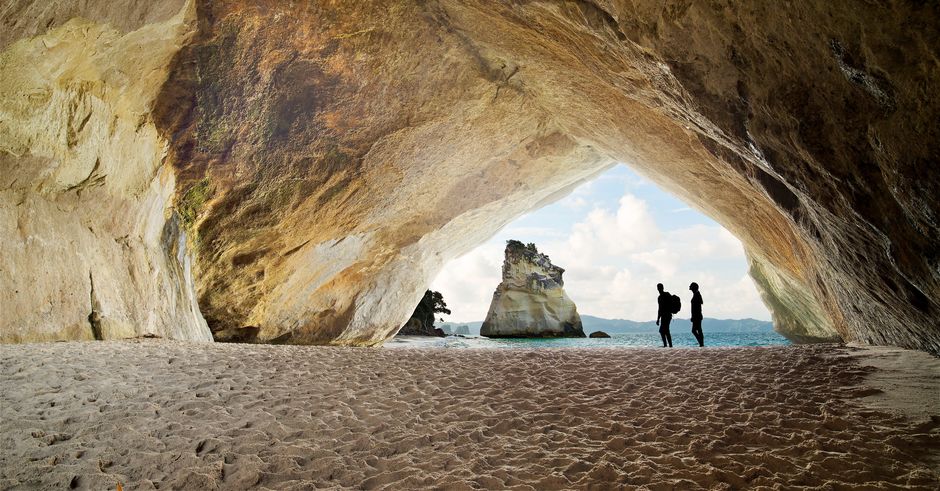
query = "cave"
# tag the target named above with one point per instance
(298, 174)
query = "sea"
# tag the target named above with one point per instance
(616, 340)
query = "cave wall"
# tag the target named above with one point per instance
(90, 249)
(325, 160)
(835, 101)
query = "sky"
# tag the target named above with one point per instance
(616, 237)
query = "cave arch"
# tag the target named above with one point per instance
(322, 161)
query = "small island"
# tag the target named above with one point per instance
(421, 322)
(530, 302)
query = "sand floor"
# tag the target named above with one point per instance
(173, 415)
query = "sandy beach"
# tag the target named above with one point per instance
(155, 414)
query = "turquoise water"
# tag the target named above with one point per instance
(627, 340)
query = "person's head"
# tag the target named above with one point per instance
(693, 286)
(659, 286)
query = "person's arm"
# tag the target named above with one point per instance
(658, 311)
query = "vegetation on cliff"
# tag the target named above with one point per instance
(421, 322)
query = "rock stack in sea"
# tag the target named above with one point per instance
(531, 301)
(455, 330)
(421, 322)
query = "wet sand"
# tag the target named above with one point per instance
(172, 415)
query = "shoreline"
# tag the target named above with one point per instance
(156, 414)
(641, 340)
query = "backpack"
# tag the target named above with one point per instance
(675, 305)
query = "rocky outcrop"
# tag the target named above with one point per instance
(599, 334)
(324, 160)
(91, 248)
(414, 327)
(455, 330)
(530, 301)
(421, 322)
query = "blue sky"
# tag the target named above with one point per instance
(616, 236)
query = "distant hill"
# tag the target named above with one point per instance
(592, 323)
(474, 326)
(611, 326)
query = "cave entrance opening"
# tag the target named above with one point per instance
(616, 236)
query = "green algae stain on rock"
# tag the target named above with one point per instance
(193, 201)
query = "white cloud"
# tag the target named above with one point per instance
(663, 261)
(574, 202)
(735, 300)
(705, 242)
(467, 282)
(603, 233)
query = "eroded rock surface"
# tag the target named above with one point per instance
(325, 160)
(530, 301)
(90, 248)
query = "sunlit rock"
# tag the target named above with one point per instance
(90, 247)
(530, 301)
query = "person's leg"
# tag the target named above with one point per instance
(662, 334)
(697, 331)
(667, 336)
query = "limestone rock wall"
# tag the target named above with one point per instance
(530, 301)
(328, 158)
(88, 251)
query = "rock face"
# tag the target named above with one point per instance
(530, 302)
(414, 327)
(421, 322)
(302, 171)
(91, 248)
(453, 330)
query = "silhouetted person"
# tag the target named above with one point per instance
(697, 314)
(664, 314)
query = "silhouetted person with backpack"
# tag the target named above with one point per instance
(664, 314)
(697, 314)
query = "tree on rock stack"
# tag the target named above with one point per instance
(421, 322)
(530, 302)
